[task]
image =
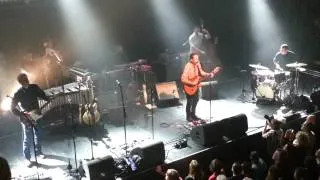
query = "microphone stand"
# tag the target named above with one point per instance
(152, 119)
(124, 118)
(73, 131)
(210, 103)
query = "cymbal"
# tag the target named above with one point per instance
(258, 66)
(296, 65)
(301, 69)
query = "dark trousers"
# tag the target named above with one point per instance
(192, 101)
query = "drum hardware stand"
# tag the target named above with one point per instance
(296, 81)
(124, 118)
(243, 90)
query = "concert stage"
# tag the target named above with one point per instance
(169, 127)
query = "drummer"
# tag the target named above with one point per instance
(284, 56)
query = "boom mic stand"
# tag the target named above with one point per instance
(124, 118)
(73, 131)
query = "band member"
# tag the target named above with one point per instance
(196, 40)
(191, 78)
(24, 101)
(53, 60)
(283, 57)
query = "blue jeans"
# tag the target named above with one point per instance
(31, 135)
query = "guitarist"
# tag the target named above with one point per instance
(191, 77)
(26, 98)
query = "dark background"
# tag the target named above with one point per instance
(133, 24)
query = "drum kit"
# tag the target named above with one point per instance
(275, 85)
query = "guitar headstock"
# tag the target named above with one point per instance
(216, 70)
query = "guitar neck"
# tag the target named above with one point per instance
(209, 83)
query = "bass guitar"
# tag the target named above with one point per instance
(88, 112)
(192, 89)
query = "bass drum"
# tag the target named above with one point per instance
(265, 91)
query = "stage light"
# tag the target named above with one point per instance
(84, 30)
(173, 23)
(6, 104)
(266, 31)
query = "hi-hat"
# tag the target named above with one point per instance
(258, 66)
(296, 65)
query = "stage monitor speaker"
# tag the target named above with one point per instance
(213, 133)
(208, 134)
(151, 155)
(101, 168)
(235, 126)
(167, 92)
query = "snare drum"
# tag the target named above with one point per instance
(265, 91)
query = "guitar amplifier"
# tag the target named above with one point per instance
(167, 92)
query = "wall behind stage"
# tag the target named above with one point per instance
(134, 25)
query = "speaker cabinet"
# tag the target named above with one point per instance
(213, 133)
(235, 126)
(167, 92)
(151, 155)
(101, 168)
(207, 134)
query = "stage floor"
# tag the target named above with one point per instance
(169, 126)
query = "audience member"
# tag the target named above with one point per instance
(273, 135)
(246, 170)
(280, 158)
(221, 177)
(310, 165)
(195, 172)
(5, 173)
(236, 171)
(288, 137)
(273, 173)
(299, 174)
(258, 166)
(300, 148)
(172, 174)
(317, 156)
(307, 128)
(215, 168)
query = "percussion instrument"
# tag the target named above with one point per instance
(258, 66)
(296, 65)
(265, 91)
(281, 76)
(74, 94)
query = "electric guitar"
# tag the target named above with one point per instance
(192, 89)
(31, 117)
